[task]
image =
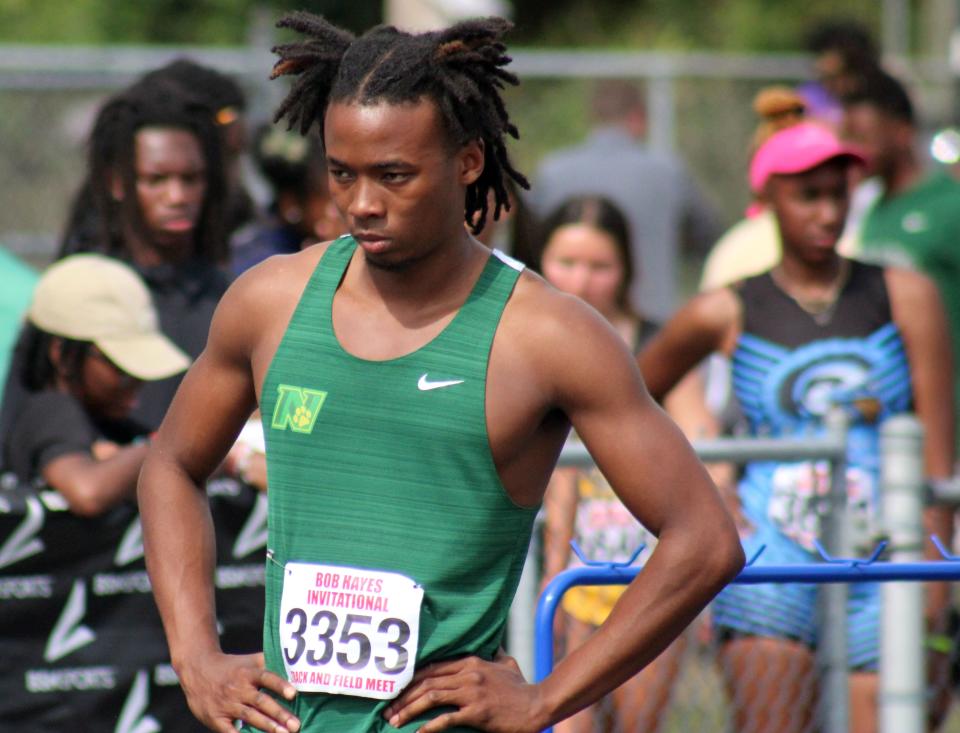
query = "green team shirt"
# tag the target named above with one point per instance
(920, 228)
(386, 465)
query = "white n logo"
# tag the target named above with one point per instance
(132, 718)
(253, 536)
(23, 542)
(131, 546)
(69, 634)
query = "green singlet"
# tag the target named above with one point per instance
(386, 465)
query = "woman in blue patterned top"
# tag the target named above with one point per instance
(815, 331)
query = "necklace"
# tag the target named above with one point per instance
(822, 306)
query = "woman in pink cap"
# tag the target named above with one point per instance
(815, 331)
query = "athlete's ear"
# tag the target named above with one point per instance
(470, 161)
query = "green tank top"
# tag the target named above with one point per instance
(387, 465)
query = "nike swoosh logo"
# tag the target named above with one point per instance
(425, 385)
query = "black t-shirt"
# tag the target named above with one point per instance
(185, 297)
(52, 424)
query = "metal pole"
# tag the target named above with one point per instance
(661, 112)
(896, 28)
(520, 631)
(832, 647)
(902, 678)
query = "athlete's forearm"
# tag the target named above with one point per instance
(678, 581)
(180, 549)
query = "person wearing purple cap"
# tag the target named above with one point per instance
(814, 332)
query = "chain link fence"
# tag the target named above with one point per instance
(699, 105)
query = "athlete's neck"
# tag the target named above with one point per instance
(444, 269)
(806, 275)
(149, 254)
(815, 289)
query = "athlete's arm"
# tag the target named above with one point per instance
(215, 398)
(708, 323)
(658, 477)
(588, 373)
(919, 314)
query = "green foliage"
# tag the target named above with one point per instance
(729, 25)
(732, 25)
(200, 22)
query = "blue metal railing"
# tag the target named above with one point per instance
(831, 570)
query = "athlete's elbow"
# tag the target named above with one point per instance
(726, 554)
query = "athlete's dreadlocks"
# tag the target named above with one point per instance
(98, 221)
(460, 69)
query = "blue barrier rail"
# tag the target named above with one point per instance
(830, 570)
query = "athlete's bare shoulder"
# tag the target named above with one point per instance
(556, 338)
(262, 299)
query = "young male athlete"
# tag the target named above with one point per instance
(416, 391)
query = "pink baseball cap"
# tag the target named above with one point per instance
(797, 149)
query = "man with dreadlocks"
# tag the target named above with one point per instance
(155, 196)
(416, 390)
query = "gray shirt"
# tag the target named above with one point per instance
(654, 190)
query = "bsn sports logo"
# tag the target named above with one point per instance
(133, 718)
(69, 634)
(130, 548)
(24, 543)
(253, 536)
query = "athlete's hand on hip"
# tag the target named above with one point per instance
(222, 688)
(491, 696)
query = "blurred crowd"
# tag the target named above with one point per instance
(839, 287)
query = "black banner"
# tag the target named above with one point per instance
(81, 643)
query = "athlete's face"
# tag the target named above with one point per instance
(584, 261)
(396, 179)
(811, 208)
(171, 183)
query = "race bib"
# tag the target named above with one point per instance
(346, 631)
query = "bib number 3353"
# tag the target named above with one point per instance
(346, 631)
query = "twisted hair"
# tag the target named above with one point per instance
(460, 69)
(97, 221)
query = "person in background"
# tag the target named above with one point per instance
(302, 211)
(752, 245)
(92, 341)
(228, 106)
(844, 52)
(815, 332)
(586, 252)
(156, 185)
(916, 222)
(666, 210)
